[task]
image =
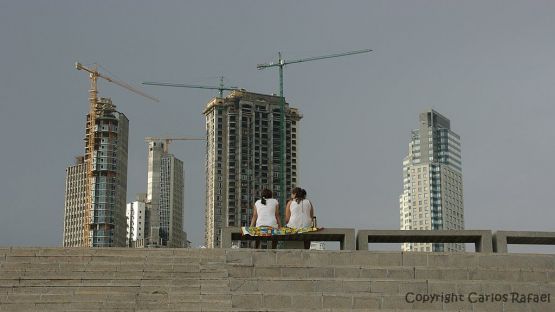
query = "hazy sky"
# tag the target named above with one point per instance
(486, 65)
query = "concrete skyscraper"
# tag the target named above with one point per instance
(432, 196)
(107, 224)
(243, 142)
(74, 206)
(165, 197)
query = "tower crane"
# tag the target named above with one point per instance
(167, 141)
(281, 64)
(221, 88)
(94, 109)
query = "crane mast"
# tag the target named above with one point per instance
(90, 142)
(91, 122)
(281, 64)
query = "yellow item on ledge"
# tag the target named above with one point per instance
(271, 231)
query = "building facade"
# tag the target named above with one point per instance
(108, 188)
(243, 143)
(136, 223)
(165, 197)
(171, 201)
(74, 203)
(155, 151)
(432, 197)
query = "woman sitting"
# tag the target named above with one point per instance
(299, 211)
(266, 213)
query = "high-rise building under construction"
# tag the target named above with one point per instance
(432, 197)
(108, 188)
(243, 146)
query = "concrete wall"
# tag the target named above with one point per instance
(118, 279)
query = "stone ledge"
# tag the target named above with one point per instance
(481, 238)
(502, 238)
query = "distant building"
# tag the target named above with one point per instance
(243, 142)
(432, 197)
(107, 224)
(137, 221)
(318, 245)
(165, 197)
(186, 242)
(74, 206)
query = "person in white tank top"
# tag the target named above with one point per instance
(266, 211)
(299, 211)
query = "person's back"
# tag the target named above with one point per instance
(266, 213)
(301, 215)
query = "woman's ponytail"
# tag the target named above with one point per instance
(300, 195)
(265, 194)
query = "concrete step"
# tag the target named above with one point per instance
(254, 300)
(270, 286)
(115, 274)
(276, 257)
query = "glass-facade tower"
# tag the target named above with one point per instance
(432, 197)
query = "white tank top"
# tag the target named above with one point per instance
(300, 214)
(266, 214)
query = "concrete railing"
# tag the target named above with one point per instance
(483, 240)
(502, 238)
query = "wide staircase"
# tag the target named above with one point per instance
(118, 279)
